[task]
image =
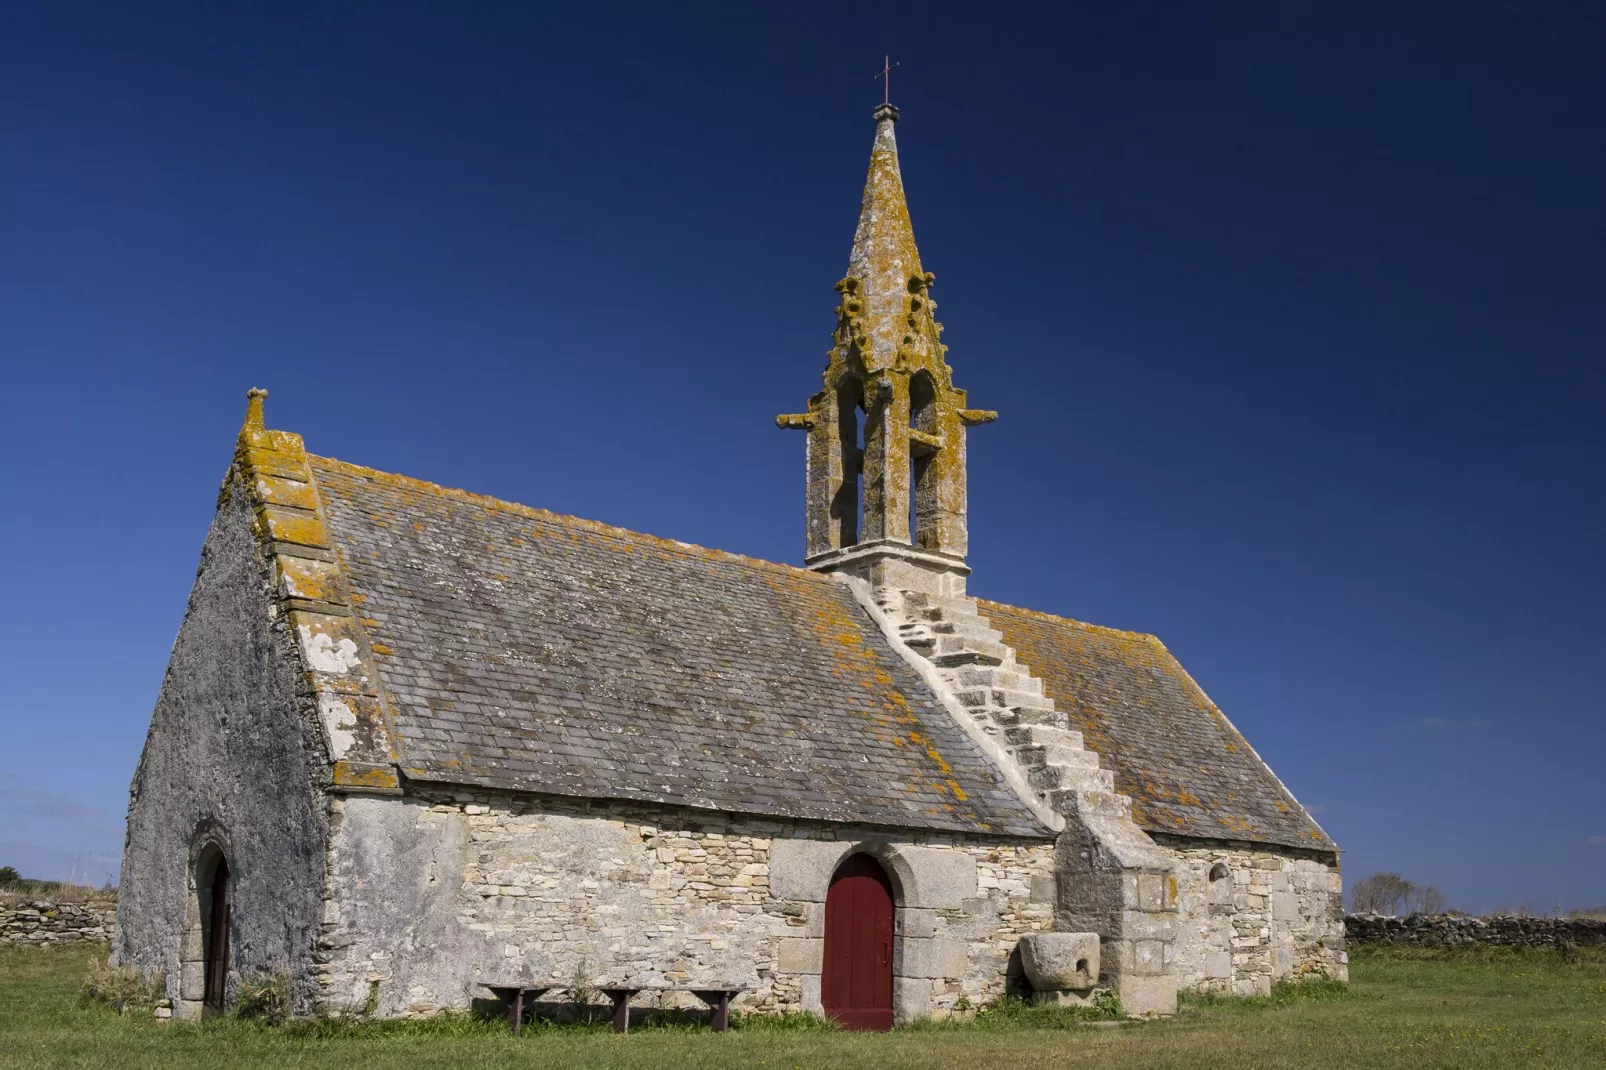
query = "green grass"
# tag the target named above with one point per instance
(1405, 1008)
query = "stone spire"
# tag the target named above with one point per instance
(884, 257)
(886, 454)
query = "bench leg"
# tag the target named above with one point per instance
(621, 1007)
(720, 1003)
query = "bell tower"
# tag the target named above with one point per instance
(886, 435)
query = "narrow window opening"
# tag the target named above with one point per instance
(847, 509)
(858, 471)
(922, 454)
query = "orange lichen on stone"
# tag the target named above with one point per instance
(310, 579)
(351, 775)
(294, 494)
(273, 469)
(887, 362)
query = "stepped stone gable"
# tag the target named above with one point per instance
(525, 650)
(1187, 770)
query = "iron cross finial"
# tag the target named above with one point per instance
(887, 67)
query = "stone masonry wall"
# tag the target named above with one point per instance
(1274, 916)
(42, 923)
(230, 760)
(1447, 930)
(432, 897)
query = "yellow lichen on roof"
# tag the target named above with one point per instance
(574, 527)
(1154, 727)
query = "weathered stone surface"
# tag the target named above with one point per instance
(1273, 914)
(232, 757)
(801, 869)
(47, 922)
(1454, 930)
(1060, 961)
(800, 956)
(941, 879)
(434, 896)
(888, 363)
(934, 957)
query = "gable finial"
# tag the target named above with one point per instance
(253, 409)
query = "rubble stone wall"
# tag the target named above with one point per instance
(1450, 930)
(42, 923)
(231, 762)
(432, 897)
(1266, 916)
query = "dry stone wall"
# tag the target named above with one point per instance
(432, 897)
(1250, 917)
(1450, 930)
(42, 923)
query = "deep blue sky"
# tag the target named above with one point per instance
(1295, 319)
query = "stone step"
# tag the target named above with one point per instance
(1099, 794)
(961, 626)
(1044, 736)
(1031, 715)
(1067, 756)
(988, 677)
(1049, 778)
(954, 644)
(949, 654)
(1008, 696)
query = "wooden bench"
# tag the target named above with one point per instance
(514, 997)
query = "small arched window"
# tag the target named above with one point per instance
(1220, 879)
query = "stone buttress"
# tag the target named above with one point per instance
(885, 508)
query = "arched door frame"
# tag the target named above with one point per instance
(857, 979)
(210, 847)
(824, 859)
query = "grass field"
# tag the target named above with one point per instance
(1492, 1008)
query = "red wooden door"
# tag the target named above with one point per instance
(856, 984)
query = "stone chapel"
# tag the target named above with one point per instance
(414, 741)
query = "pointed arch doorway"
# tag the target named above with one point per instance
(215, 938)
(856, 981)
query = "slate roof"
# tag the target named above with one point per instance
(524, 650)
(1188, 770)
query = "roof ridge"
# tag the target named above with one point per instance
(1086, 626)
(537, 513)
